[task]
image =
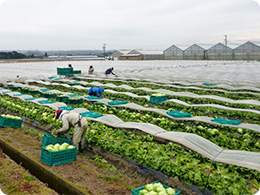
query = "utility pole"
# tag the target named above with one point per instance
(104, 50)
(225, 47)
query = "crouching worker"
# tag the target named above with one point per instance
(109, 71)
(96, 91)
(73, 119)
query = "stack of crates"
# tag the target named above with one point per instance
(158, 98)
(64, 71)
(10, 122)
(53, 158)
(77, 72)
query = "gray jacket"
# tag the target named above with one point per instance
(69, 119)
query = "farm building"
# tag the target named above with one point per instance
(119, 53)
(173, 53)
(247, 51)
(136, 56)
(149, 54)
(194, 52)
(219, 52)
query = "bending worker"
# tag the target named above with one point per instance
(73, 119)
(91, 70)
(96, 91)
(109, 71)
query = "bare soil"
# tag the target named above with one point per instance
(91, 176)
(14, 179)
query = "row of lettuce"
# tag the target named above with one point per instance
(232, 94)
(197, 111)
(170, 158)
(247, 117)
(223, 136)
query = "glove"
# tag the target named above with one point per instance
(56, 132)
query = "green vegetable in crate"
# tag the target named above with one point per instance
(170, 191)
(158, 94)
(63, 146)
(162, 193)
(152, 193)
(149, 187)
(157, 185)
(58, 147)
(156, 189)
(49, 147)
(143, 192)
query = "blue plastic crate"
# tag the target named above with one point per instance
(8, 122)
(58, 157)
(135, 191)
(50, 139)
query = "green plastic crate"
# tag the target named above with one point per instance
(7, 92)
(58, 157)
(11, 87)
(64, 99)
(50, 139)
(158, 99)
(45, 102)
(64, 71)
(28, 99)
(65, 108)
(226, 121)
(48, 95)
(45, 89)
(33, 92)
(25, 90)
(77, 72)
(135, 191)
(91, 114)
(74, 95)
(75, 101)
(116, 102)
(16, 95)
(8, 122)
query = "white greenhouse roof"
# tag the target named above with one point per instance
(148, 52)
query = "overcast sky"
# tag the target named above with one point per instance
(126, 24)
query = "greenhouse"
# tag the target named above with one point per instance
(173, 53)
(194, 52)
(219, 52)
(149, 54)
(247, 51)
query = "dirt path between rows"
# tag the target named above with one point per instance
(14, 179)
(91, 176)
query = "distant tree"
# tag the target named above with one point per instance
(45, 55)
(11, 55)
